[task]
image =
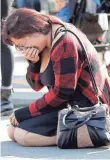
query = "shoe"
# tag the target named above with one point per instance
(6, 108)
(6, 105)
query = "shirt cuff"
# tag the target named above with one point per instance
(35, 67)
(22, 114)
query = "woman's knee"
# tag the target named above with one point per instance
(19, 136)
(26, 138)
(10, 131)
(32, 139)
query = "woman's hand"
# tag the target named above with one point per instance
(29, 49)
(32, 54)
(13, 120)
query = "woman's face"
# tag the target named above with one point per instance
(35, 40)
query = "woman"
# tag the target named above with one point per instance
(56, 60)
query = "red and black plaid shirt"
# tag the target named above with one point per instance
(70, 69)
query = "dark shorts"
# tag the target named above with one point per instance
(46, 124)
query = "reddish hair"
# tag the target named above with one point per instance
(25, 21)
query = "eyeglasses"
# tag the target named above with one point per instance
(23, 48)
(20, 48)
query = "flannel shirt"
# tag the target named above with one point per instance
(70, 69)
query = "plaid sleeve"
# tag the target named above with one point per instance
(32, 76)
(65, 64)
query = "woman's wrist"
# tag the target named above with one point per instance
(34, 66)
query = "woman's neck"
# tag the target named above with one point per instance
(54, 28)
(51, 34)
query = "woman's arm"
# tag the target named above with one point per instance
(32, 76)
(65, 64)
(33, 70)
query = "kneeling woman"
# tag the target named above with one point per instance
(56, 60)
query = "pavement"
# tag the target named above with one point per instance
(22, 96)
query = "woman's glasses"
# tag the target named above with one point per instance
(23, 48)
(20, 48)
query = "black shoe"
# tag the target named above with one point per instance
(6, 105)
(6, 108)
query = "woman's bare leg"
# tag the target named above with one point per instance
(25, 138)
(10, 131)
